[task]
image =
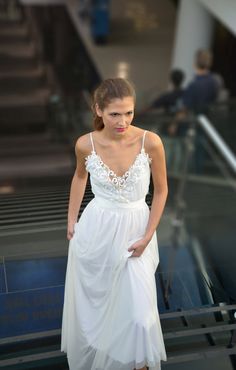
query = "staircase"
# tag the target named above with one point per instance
(24, 87)
(29, 144)
(190, 336)
(35, 221)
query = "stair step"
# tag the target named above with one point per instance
(36, 98)
(14, 33)
(23, 140)
(46, 193)
(24, 50)
(200, 354)
(19, 29)
(11, 148)
(198, 331)
(13, 20)
(40, 357)
(32, 119)
(22, 80)
(24, 110)
(12, 202)
(19, 65)
(19, 55)
(18, 73)
(37, 165)
(27, 150)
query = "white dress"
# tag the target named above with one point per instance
(110, 315)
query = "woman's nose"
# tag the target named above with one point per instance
(123, 120)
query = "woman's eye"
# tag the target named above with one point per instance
(117, 114)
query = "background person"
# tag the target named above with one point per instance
(201, 92)
(169, 101)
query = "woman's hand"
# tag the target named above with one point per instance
(70, 231)
(138, 248)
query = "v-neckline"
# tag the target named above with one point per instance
(142, 151)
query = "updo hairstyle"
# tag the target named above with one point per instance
(109, 89)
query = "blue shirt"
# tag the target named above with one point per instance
(200, 93)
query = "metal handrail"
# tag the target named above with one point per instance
(217, 139)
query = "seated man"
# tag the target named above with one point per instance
(169, 100)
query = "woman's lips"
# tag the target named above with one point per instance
(120, 129)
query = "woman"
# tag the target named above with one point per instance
(110, 317)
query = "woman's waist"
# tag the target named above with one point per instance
(119, 203)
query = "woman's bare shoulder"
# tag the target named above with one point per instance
(154, 146)
(83, 145)
(153, 141)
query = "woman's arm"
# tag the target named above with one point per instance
(78, 184)
(155, 149)
(158, 166)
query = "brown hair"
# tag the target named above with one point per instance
(109, 89)
(203, 59)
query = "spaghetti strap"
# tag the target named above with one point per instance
(92, 143)
(144, 134)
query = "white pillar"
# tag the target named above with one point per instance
(224, 11)
(194, 29)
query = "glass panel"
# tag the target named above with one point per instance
(202, 203)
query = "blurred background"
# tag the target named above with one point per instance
(53, 53)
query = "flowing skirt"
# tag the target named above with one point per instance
(110, 316)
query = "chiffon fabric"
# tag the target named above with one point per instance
(110, 316)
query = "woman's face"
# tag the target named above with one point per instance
(117, 115)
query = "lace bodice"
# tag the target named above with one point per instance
(131, 186)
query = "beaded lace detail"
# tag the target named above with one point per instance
(115, 187)
(95, 165)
